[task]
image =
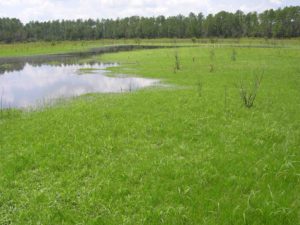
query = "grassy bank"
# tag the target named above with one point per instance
(55, 47)
(190, 153)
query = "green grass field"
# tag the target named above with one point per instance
(57, 47)
(186, 153)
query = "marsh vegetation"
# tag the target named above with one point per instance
(190, 153)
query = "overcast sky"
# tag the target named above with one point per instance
(42, 10)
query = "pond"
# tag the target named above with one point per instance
(29, 84)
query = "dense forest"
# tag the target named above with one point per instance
(280, 23)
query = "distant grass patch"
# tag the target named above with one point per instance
(39, 48)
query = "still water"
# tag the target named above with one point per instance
(33, 85)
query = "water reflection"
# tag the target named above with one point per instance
(63, 61)
(28, 85)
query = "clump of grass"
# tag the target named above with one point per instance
(248, 92)
(213, 40)
(233, 55)
(212, 68)
(9, 113)
(131, 87)
(199, 88)
(212, 55)
(177, 62)
(175, 41)
(138, 41)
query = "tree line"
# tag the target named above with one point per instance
(280, 23)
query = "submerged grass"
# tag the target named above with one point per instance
(162, 156)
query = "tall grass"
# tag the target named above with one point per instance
(248, 92)
(177, 65)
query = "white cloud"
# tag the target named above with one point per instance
(276, 1)
(28, 10)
